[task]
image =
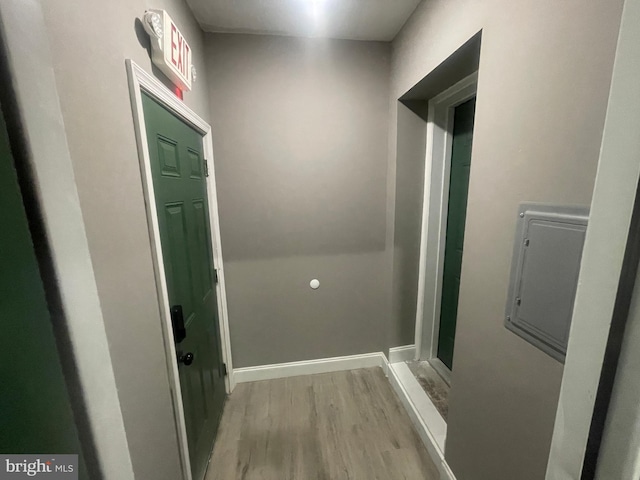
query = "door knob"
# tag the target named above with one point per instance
(187, 358)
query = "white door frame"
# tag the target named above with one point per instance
(603, 258)
(139, 81)
(434, 216)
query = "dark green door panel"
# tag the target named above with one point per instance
(456, 216)
(177, 165)
(35, 411)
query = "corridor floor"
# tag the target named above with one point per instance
(333, 426)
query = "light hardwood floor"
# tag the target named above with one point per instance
(333, 426)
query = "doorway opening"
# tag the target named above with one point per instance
(433, 156)
(447, 167)
(459, 168)
(176, 161)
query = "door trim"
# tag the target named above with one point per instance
(139, 81)
(600, 279)
(434, 212)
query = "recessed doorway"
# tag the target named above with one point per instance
(447, 170)
(420, 371)
(460, 166)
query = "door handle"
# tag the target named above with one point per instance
(187, 358)
(177, 321)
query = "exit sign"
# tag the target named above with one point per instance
(170, 50)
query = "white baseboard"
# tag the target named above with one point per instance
(405, 353)
(431, 428)
(310, 367)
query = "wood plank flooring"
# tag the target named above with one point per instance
(335, 426)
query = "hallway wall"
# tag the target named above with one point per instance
(407, 226)
(544, 75)
(90, 41)
(302, 197)
(300, 144)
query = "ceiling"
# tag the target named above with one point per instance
(346, 19)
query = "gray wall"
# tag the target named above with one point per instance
(544, 75)
(90, 41)
(300, 144)
(409, 180)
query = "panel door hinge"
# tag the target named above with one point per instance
(206, 167)
(215, 275)
(224, 369)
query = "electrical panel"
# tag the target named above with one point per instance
(544, 274)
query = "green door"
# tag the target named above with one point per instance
(178, 168)
(35, 411)
(456, 215)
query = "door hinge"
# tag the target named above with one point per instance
(206, 167)
(215, 275)
(224, 369)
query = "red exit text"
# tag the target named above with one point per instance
(180, 52)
